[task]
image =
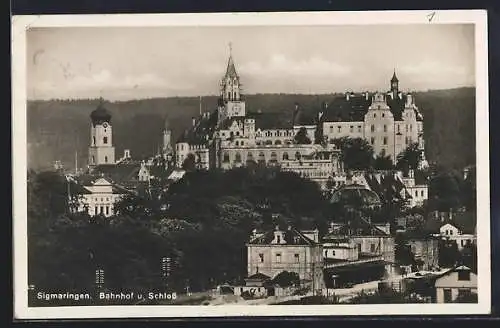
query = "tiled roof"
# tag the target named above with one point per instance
(291, 237)
(355, 195)
(259, 276)
(271, 120)
(355, 227)
(342, 110)
(119, 173)
(302, 117)
(388, 188)
(196, 135)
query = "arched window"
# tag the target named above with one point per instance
(105, 140)
(285, 156)
(277, 142)
(105, 159)
(297, 155)
(237, 157)
(249, 156)
(226, 158)
(262, 158)
(237, 143)
(269, 142)
(93, 141)
(274, 157)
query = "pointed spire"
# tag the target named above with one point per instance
(231, 69)
(394, 77)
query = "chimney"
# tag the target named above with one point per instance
(367, 95)
(194, 121)
(126, 153)
(450, 214)
(320, 115)
(347, 96)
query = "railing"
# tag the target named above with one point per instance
(340, 264)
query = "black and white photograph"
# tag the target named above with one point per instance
(259, 164)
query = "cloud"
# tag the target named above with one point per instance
(104, 80)
(434, 73)
(280, 65)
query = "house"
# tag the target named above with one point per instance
(455, 284)
(278, 250)
(458, 227)
(97, 196)
(357, 251)
(425, 250)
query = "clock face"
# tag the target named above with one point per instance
(105, 125)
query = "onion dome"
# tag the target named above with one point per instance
(100, 114)
(355, 195)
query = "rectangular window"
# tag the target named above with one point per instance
(372, 140)
(359, 128)
(447, 295)
(331, 128)
(96, 211)
(102, 209)
(107, 210)
(297, 258)
(372, 248)
(372, 128)
(351, 129)
(278, 258)
(385, 140)
(333, 252)
(464, 275)
(463, 292)
(398, 128)
(406, 127)
(385, 128)
(261, 257)
(340, 128)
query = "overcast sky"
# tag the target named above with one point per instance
(131, 63)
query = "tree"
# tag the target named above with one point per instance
(444, 191)
(469, 191)
(356, 153)
(286, 279)
(301, 137)
(409, 158)
(189, 163)
(382, 162)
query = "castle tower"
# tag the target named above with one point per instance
(230, 100)
(167, 150)
(394, 85)
(101, 150)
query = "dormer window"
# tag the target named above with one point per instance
(278, 239)
(278, 257)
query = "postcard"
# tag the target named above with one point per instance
(250, 164)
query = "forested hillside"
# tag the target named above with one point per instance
(59, 128)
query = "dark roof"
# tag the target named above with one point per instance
(231, 69)
(197, 135)
(302, 117)
(100, 114)
(76, 188)
(388, 188)
(342, 110)
(291, 237)
(355, 195)
(258, 276)
(394, 77)
(356, 227)
(124, 174)
(270, 120)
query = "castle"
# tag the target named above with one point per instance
(231, 136)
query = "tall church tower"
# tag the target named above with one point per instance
(394, 85)
(101, 150)
(230, 100)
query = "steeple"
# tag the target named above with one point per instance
(394, 85)
(231, 69)
(394, 77)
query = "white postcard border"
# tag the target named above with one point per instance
(20, 24)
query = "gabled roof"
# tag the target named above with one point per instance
(291, 236)
(119, 173)
(355, 227)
